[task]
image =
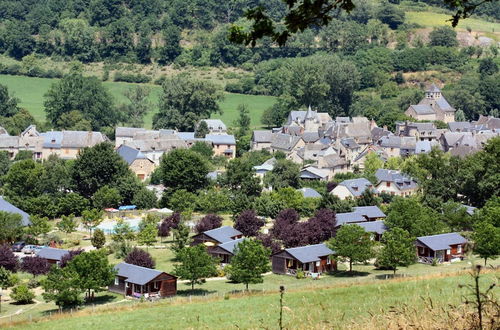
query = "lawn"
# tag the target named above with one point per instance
(331, 307)
(30, 92)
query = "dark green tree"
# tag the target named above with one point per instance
(91, 219)
(106, 197)
(181, 238)
(171, 47)
(8, 103)
(11, 224)
(184, 169)
(486, 241)
(240, 176)
(250, 261)
(138, 106)
(62, 288)
(67, 224)
(201, 130)
(284, 174)
(352, 243)
(398, 250)
(98, 239)
(195, 264)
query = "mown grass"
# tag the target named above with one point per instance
(333, 307)
(30, 92)
(431, 19)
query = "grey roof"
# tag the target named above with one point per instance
(8, 207)
(442, 241)
(349, 143)
(3, 131)
(52, 253)
(378, 227)
(310, 172)
(403, 182)
(390, 141)
(370, 211)
(162, 144)
(7, 141)
(52, 139)
(215, 124)
(309, 192)
(130, 154)
(309, 253)
(127, 131)
(137, 274)
(81, 139)
(422, 109)
(231, 245)
(187, 136)
(262, 136)
(342, 119)
(470, 209)
(284, 141)
(444, 105)
(356, 186)
(220, 139)
(433, 89)
(309, 137)
(223, 234)
(349, 217)
(425, 146)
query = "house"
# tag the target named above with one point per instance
(314, 173)
(138, 163)
(420, 131)
(261, 140)
(216, 236)
(225, 251)
(126, 134)
(286, 143)
(136, 281)
(371, 213)
(154, 148)
(10, 144)
(267, 166)
(376, 228)
(442, 248)
(309, 120)
(309, 259)
(215, 126)
(353, 188)
(347, 218)
(8, 207)
(334, 164)
(309, 193)
(31, 140)
(52, 255)
(394, 183)
(67, 144)
(223, 145)
(433, 107)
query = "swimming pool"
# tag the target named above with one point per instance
(108, 226)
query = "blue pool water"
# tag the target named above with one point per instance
(108, 227)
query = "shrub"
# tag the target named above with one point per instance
(33, 283)
(131, 78)
(22, 294)
(141, 258)
(300, 274)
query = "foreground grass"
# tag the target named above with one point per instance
(332, 307)
(30, 92)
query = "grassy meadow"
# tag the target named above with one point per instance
(30, 92)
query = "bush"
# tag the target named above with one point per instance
(131, 78)
(33, 283)
(22, 294)
(300, 274)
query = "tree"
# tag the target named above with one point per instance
(201, 130)
(7, 279)
(122, 231)
(250, 261)
(203, 148)
(181, 238)
(138, 106)
(145, 199)
(171, 48)
(284, 174)
(67, 224)
(243, 121)
(11, 224)
(141, 258)
(185, 101)
(8, 259)
(368, 198)
(321, 227)
(91, 219)
(248, 223)
(391, 15)
(372, 164)
(443, 36)
(352, 243)
(96, 167)
(147, 236)
(184, 169)
(240, 176)
(106, 197)
(39, 226)
(22, 295)
(487, 67)
(398, 250)
(85, 94)
(69, 256)
(98, 239)
(99, 278)
(208, 222)
(61, 286)
(284, 223)
(486, 240)
(8, 103)
(35, 265)
(195, 265)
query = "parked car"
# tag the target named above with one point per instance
(28, 249)
(18, 246)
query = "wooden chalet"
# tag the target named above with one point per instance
(52, 255)
(371, 213)
(443, 248)
(136, 281)
(217, 236)
(225, 251)
(310, 259)
(375, 228)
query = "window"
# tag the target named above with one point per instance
(318, 263)
(117, 281)
(459, 248)
(388, 184)
(157, 285)
(448, 251)
(328, 261)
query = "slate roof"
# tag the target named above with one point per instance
(52, 139)
(361, 184)
(8, 207)
(433, 89)
(370, 211)
(215, 124)
(137, 274)
(7, 141)
(425, 146)
(309, 253)
(378, 227)
(127, 131)
(310, 137)
(470, 209)
(52, 253)
(422, 109)
(231, 245)
(349, 217)
(262, 136)
(349, 143)
(311, 172)
(403, 182)
(391, 141)
(223, 234)
(284, 141)
(130, 154)
(444, 105)
(187, 136)
(442, 241)
(220, 139)
(309, 192)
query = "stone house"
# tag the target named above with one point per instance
(138, 163)
(433, 107)
(394, 183)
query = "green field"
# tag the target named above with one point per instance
(330, 308)
(31, 90)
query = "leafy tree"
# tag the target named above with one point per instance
(333, 202)
(141, 258)
(284, 174)
(181, 200)
(321, 227)
(4, 162)
(269, 242)
(486, 67)
(185, 101)
(147, 235)
(122, 232)
(85, 94)
(201, 130)
(284, 223)
(69, 256)
(181, 238)
(67, 224)
(184, 169)
(195, 265)
(39, 226)
(98, 239)
(11, 224)
(456, 217)
(18, 38)
(106, 197)
(249, 223)
(23, 179)
(372, 164)
(72, 202)
(8, 103)
(398, 250)
(243, 120)
(353, 244)
(7, 279)
(486, 240)
(203, 148)
(145, 199)
(91, 219)
(240, 176)
(21, 294)
(138, 106)
(443, 36)
(250, 261)
(35, 265)
(61, 286)
(214, 200)
(8, 260)
(391, 15)
(208, 222)
(368, 198)
(171, 49)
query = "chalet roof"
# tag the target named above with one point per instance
(8, 207)
(378, 227)
(309, 192)
(137, 274)
(220, 139)
(262, 136)
(309, 253)
(370, 211)
(401, 181)
(422, 109)
(349, 217)
(442, 241)
(223, 234)
(130, 154)
(231, 245)
(356, 186)
(52, 253)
